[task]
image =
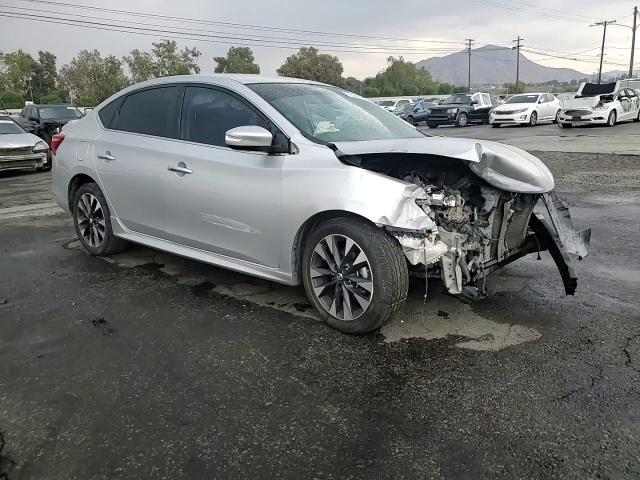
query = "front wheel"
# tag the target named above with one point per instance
(411, 120)
(495, 125)
(355, 274)
(432, 125)
(93, 222)
(613, 118)
(462, 120)
(533, 120)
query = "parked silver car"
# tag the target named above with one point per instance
(20, 149)
(299, 182)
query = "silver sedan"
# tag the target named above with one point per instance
(303, 183)
(20, 149)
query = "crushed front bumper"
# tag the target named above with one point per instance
(594, 118)
(19, 162)
(552, 225)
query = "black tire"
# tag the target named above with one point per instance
(565, 125)
(432, 125)
(557, 117)
(411, 120)
(389, 273)
(462, 120)
(495, 125)
(637, 119)
(533, 120)
(612, 120)
(109, 244)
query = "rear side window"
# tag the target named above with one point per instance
(108, 112)
(151, 112)
(207, 114)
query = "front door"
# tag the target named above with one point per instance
(223, 200)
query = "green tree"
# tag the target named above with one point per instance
(352, 84)
(45, 76)
(370, 92)
(401, 76)
(238, 60)
(11, 100)
(444, 89)
(459, 89)
(18, 70)
(311, 65)
(163, 60)
(50, 99)
(388, 92)
(91, 75)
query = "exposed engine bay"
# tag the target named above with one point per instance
(476, 228)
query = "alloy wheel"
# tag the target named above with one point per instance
(462, 120)
(91, 221)
(341, 277)
(534, 119)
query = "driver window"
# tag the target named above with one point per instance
(208, 113)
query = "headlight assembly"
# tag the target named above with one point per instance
(452, 110)
(40, 147)
(521, 110)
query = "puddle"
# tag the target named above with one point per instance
(442, 316)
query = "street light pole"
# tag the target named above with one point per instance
(469, 40)
(604, 38)
(633, 40)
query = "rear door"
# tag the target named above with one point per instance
(132, 153)
(228, 201)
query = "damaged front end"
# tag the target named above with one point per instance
(484, 215)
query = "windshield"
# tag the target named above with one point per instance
(328, 114)
(59, 112)
(463, 99)
(8, 127)
(386, 103)
(523, 99)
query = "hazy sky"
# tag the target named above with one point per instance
(554, 26)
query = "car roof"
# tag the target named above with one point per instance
(243, 78)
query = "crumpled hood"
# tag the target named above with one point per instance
(577, 103)
(18, 140)
(502, 166)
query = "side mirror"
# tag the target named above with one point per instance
(474, 102)
(32, 119)
(248, 137)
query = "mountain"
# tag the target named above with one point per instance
(618, 73)
(494, 64)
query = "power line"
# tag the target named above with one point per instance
(225, 39)
(235, 25)
(187, 30)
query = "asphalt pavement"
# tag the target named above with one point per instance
(146, 365)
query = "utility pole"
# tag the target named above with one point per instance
(469, 41)
(633, 40)
(604, 38)
(517, 49)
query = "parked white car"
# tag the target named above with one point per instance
(605, 104)
(526, 109)
(394, 105)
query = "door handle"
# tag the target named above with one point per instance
(106, 156)
(178, 169)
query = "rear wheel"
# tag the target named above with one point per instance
(557, 118)
(463, 120)
(93, 222)
(355, 274)
(637, 119)
(613, 118)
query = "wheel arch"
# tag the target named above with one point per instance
(303, 232)
(76, 182)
